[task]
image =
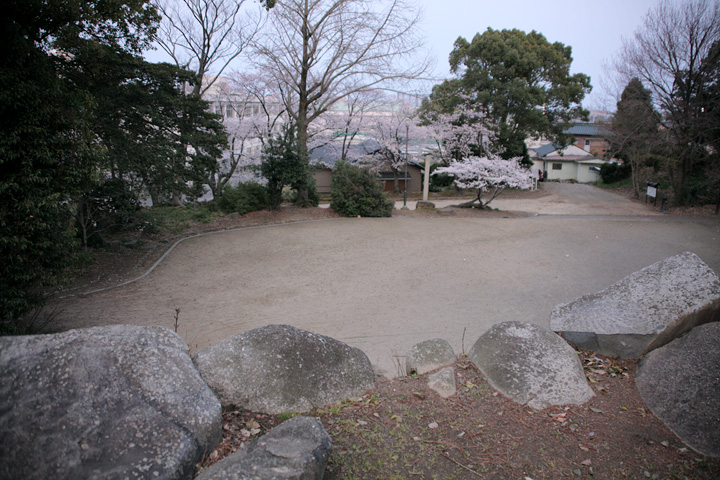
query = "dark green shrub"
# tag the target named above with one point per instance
(246, 197)
(109, 206)
(614, 172)
(437, 182)
(355, 191)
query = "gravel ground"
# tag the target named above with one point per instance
(385, 284)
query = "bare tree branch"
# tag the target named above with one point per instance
(205, 36)
(321, 51)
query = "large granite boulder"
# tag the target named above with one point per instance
(680, 383)
(297, 449)
(643, 311)
(428, 356)
(530, 365)
(107, 402)
(280, 368)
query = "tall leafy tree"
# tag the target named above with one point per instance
(672, 53)
(155, 136)
(519, 81)
(47, 149)
(709, 117)
(635, 129)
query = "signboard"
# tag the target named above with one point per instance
(651, 191)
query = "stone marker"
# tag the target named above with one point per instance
(429, 355)
(112, 402)
(280, 368)
(531, 365)
(443, 382)
(643, 311)
(680, 383)
(297, 449)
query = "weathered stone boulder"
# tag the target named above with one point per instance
(429, 355)
(280, 368)
(297, 449)
(424, 205)
(680, 383)
(108, 402)
(531, 365)
(443, 382)
(643, 311)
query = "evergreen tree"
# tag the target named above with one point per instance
(635, 129)
(283, 166)
(519, 82)
(48, 153)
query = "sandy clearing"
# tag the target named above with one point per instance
(384, 284)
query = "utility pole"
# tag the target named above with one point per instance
(407, 134)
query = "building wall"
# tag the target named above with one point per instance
(323, 180)
(597, 146)
(568, 170)
(585, 175)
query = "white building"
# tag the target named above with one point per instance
(564, 164)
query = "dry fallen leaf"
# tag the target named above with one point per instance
(433, 425)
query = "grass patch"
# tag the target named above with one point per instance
(622, 184)
(176, 219)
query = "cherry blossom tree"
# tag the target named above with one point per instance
(345, 120)
(393, 131)
(251, 115)
(487, 173)
(460, 134)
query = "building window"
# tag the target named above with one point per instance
(557, 166)
(228, 111)
(218, 109)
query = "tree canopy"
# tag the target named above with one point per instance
(675, 54)
(48, 152)
(520, 83)
(78, 105)
(635, 128)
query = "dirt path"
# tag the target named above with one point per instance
(384, 284)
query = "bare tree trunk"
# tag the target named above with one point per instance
(154, 198)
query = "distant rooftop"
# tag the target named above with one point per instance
(588, 129)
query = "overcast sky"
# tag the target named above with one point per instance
(594, 29)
